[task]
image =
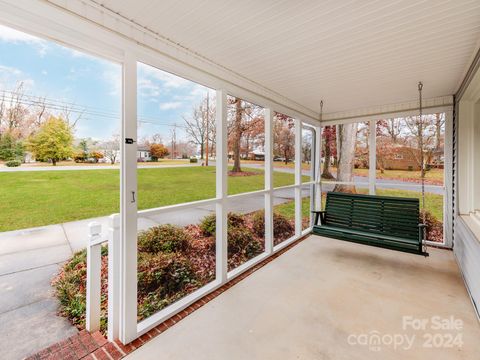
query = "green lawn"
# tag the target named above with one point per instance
(38, 198)
(288, 209)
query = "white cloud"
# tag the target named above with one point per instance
(12, 36)
(11, 77)
(113, 78)
(167, 79)
(170, 105)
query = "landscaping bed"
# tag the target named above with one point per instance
(172, 263)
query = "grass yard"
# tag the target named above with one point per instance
(433, 176)
(30, 199)
(288, 209)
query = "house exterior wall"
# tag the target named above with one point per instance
(467, 177)
(403, 159)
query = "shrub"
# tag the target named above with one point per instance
(70, 288)
(193, 160)
(13, 163)
(163, 238)
(282, 227)
(209, 223)
(434, 229)
(242, 241)
(164, 274)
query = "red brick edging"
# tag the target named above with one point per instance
(95, 346)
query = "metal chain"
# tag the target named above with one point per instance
(422, 165)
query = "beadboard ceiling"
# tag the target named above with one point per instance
(351, 54)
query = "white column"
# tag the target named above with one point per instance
(448, 185)
(221, 176)
(298, 177)
(372, 156)
(128, 197)
(269, 181)
(318, 168)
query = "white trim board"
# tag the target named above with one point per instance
(439, 104)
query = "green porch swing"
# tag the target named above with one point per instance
(382, 221)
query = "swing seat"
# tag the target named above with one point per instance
(383, 221)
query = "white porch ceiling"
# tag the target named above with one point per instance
(352, 54)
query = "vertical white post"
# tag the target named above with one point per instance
(113, 277)
(318, 168)
(94, 266)
(372, 156)
(298, 177)
(128, 200)
(269, 181)
(222, 168)
(448, 176)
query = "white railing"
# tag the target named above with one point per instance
(94, 267)
(94, 280)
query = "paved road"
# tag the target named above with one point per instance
(362, 182)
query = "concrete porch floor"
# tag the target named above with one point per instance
(318, 299)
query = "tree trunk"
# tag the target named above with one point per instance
(237, 128)
(326, 174)
(201, 151)
(438, 131)
(54, 162)
(347, 136)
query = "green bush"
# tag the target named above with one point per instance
(193, 160)
(163, 238)
(209, 223)
(282, 227)
(242, 241)
(13, 163)
(164, 274)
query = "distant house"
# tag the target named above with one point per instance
(143, 153)
(257, 154)
(403, 158)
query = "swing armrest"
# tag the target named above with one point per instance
(319, 214)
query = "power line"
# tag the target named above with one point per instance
(84, 110)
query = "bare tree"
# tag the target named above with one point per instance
(422, 134)
(439, 122)
(243, 117)
(196, 126)
(111, 149)
(71, 115)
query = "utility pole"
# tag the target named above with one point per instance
(174, 134)
(208, 120)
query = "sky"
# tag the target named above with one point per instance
(92, 86)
